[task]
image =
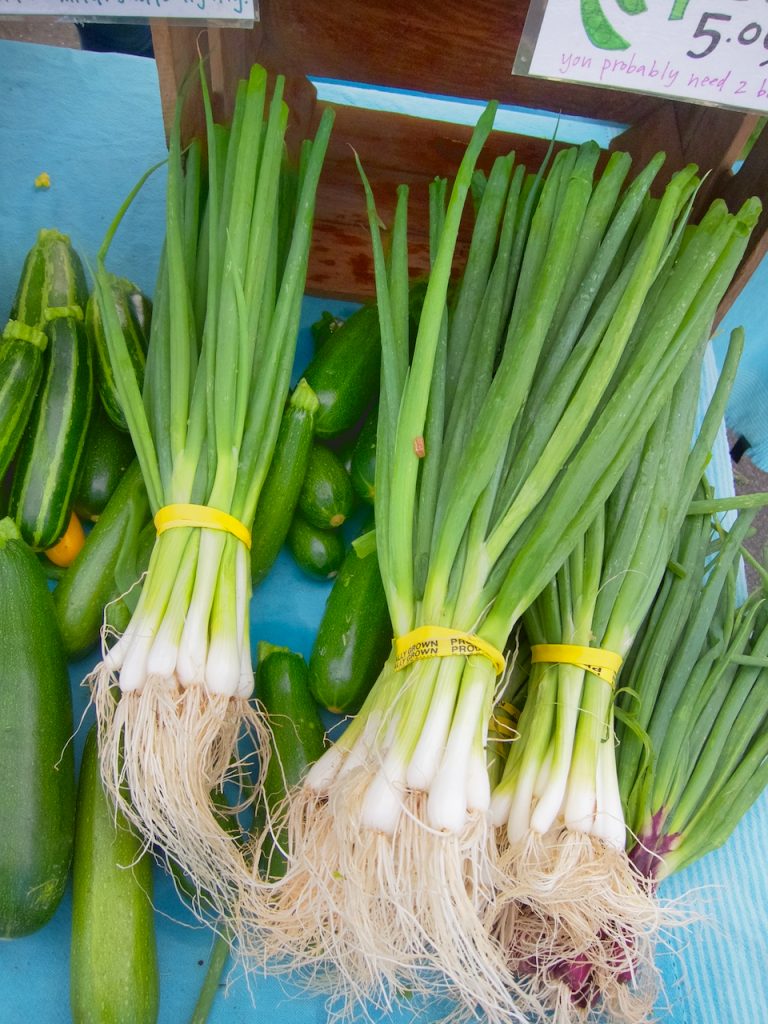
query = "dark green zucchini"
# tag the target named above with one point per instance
(21, 369)
(52, 278)
(344, 373)
(280, 493)
(297, 735)
(89, 583)
(51, 450)
(354, 637)
(362, 467)
(37, 797)
(107, 455)
(317, 552)
(134, 312)
(113, 963)
(326, 497)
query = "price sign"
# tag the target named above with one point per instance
(704, 51)
(136, 10)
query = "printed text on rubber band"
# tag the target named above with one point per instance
(443, 642)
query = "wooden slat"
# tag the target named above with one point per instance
(713, 139)
(394, 149)
(450, 48)
(176, 49)
(658, 131)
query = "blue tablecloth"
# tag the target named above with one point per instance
(93, 123)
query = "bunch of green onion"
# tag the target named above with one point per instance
(500, 439)
(575, 900)
(699, 671)
(172, 694)
(691, 738)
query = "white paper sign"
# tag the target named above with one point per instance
(111, 10)
(705, 51)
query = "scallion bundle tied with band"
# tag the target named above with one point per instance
(204, 425)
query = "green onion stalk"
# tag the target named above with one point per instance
(700, 674)
(577, 909)
(172, 694)
(499, 440)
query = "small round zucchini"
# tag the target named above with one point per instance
(326, 498)
(319, 553)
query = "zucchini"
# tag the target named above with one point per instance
(326, 497)
(50, 453)
(344, 373)
(296, 731)
(134, 311)
(107, 454)
(21, 369)
(318, 553)
(354, 637)
(362, 468)
(280, 493)
(89, 583)
(52, 277)
(113, 963)
(37, 797)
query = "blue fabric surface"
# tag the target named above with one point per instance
(747, 412)
(93, 122)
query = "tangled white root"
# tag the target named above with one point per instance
(370, 918)
(165, 752)
(584, 924)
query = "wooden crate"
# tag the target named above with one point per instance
(449, 48)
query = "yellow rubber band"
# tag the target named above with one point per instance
(506, 716)
(601, 663)
(509, 710)
(171, 516)
(443, 642)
